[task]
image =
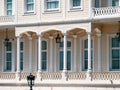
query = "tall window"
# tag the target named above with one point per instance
(44, 55)
(8, 61)
(29, 5)
(75, 3)
(115, 54)
(97, 3)
(115, 2)
(85, 54)
(52, 4)
(9, 7)
(21, 55)
(68, 55)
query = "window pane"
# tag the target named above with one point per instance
(9, 6)
(8, 66)
(115, 54)
(86, 64)
(68, 44)
(115, 64)
(115, 2)
(76, 3)
(68, 60)
(8, 57)
(29, 1)
(86, 43)
(30, 7)
(9, 46)
(52, 4)
(9, 0)
(85, 54)
(44, 65)
(61, 44)
(61, 60)
(44, 45)
(96, 3)
(21, 45)
(9, 12)
(115, 42)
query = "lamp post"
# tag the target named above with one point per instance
(30, 79)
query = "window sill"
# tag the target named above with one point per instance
(75, 9)
(29, 13)
(51, 11)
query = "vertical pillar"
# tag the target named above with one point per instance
(64, 57)
(75, 46)
(99, 52)
(30, 54)
(51, 53)
(89, 56)
(39, 76)
(18, 58)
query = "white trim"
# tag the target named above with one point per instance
(82, 52)
(51, 10)
(68, 49)
(71, 7)
(25, 12)
(47, 54)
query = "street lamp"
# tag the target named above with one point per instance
(30, 79)
(58, 38)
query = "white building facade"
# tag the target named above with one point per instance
(88, 56)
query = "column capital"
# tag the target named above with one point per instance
(74, 36)
(50, 37)
(64, 34)
(99, 34)
(30, 38)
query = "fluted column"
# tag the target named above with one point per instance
(65, 53)
(99, 52)
(18, 58)
(30, 54)
(75, 46)
(51, 53)
(39, 74)
(39, 53)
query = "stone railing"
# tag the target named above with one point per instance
(106, 11)
(7, 76)
(76, 75)
(6, 19)
(106, 76)
(51, 76)
(23, 75)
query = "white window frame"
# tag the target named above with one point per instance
(109, 2)
(4, 57)
(82, 52)
(47, 55)
(109, 59)
(68, 49)
(49, 10)
(25, 8)
(71, 7)
(23, 51)
(4, 10)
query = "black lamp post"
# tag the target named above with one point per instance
(30, 79)
(58, 38)
(6, 40)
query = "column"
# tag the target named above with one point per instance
(75, 48)
(65, 53)
(18, 54)
(30, 54)
(51, 53)
(64, 57)
(39, 53)
(18, 59)
(39, 74)
(99, 52)
(89, 51)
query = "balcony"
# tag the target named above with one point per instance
(6, 19)
(106, 12)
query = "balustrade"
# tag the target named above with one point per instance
(106, 11)
(6, 19)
